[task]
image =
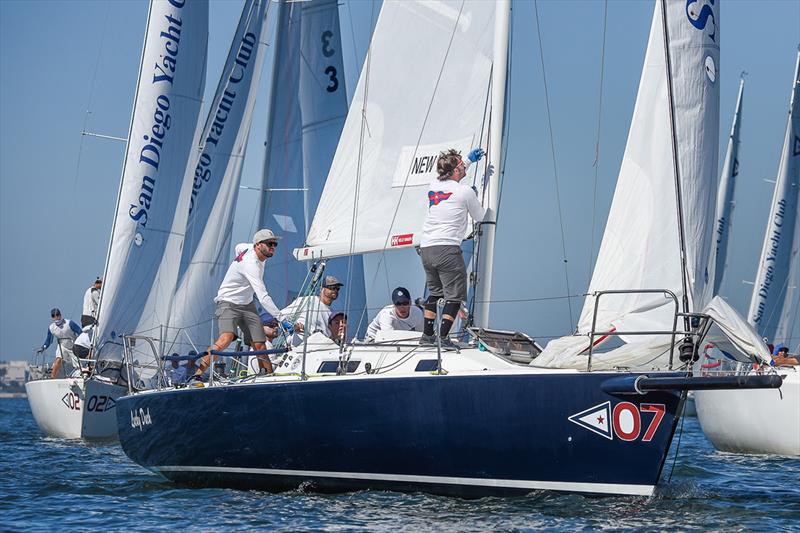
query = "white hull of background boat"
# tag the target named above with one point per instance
(74, 408)
(765, 421)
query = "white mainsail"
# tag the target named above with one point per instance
(425, 87)
(774, 301)
(308, 107)
(727, 187)
(641, 246)
(217, 172)
(143, 258)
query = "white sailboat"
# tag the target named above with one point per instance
(768, 422)
(141, 267)
(396, 415)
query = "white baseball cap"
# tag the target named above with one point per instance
(264, 235)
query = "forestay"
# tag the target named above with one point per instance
(727, 187)
(425, 87)
(307, 112)
(641, 247)
(774, 301)
(143, 259)
(217, 171)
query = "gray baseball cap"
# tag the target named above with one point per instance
(264, 235)
(332, 281)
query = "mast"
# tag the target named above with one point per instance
(676, 166)
(483, 289)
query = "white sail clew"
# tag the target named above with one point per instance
(143, 258)
(641, 246)
(425, 87)
(774, 300)
(217, 171)
(727, 186)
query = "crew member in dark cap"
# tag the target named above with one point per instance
(400, 316)
(337, 325)
(315, 308)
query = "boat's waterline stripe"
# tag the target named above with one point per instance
(597, 488)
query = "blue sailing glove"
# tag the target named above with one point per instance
(476, 154)
(288, 327)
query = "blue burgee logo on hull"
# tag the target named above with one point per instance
(596, 419)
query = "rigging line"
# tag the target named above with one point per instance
(596, 163)
(675, 165)
(359, 168)
(553, 155)
(353, 36)
(91, 95)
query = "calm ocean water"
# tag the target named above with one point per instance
(47, 484)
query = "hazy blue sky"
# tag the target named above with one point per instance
(57, 192)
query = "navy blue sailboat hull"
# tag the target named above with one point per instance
(459, 435)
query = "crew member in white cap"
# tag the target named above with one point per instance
(235, 305)
(399, 316)
(315, 309)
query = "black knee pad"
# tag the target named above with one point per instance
(451, 308)
(430, 304)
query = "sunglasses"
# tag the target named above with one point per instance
(402, 304)
(334, 288)
(271, 244)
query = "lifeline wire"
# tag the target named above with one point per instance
(596, 163)
(553, 153)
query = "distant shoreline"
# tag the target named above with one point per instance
(13, 395)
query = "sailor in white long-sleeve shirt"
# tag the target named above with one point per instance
(400, 316)
(64, 331)
(91, 300)
(315, 308)
(235, 306)
(446, 224)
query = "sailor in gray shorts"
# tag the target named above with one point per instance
(449, 204)
(235, 305)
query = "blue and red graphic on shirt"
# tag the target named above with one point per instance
(435, 197)
(241, 256)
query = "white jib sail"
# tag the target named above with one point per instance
(424, 88)
(727, 187)
(774, 299)
(216, 176)
(143, 259)
(640, 247)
